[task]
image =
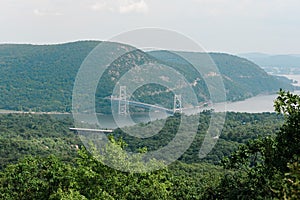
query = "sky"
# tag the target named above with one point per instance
(231, 26)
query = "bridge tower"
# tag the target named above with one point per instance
(177, 104)
(123, 101)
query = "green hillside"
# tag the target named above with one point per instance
(41, 77)
(242, 78)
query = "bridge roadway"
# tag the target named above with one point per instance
(146, 105)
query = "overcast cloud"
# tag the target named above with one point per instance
(234, 26)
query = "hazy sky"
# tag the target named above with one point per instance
(234, 26)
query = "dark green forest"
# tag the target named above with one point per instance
(256, 157)
(43, 135)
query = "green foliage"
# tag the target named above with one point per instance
(191, 181)
(287, 103)
(238, 129)
(36, 135)
(291, 183)
(68, 195)
(288, 139)
(49, 178)
(35, 178)
(267, 168)
(120, 185)
(253, 171)
(44, 135)
(40, 77)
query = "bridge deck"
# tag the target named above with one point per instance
(91, 130)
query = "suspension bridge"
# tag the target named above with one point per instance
(124, 103)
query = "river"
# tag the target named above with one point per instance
(257, 104)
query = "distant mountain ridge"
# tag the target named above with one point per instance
(41, 77)
(277, 64)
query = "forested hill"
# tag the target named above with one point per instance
(242, 78)
(41, 77)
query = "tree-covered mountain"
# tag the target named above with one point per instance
(41, 77)
(242, 78)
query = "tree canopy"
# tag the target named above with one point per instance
(267, 167)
